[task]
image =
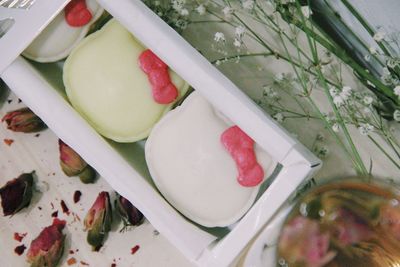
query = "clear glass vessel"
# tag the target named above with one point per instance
(347, 222)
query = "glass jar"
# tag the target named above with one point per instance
(346, 222)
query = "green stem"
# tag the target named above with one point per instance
(384, 152)
(241, 56)
(365, 24)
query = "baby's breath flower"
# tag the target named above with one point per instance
(392, 62)
(346, 92)
(396, 90)
(279, 117)
(237, 42)
(270, 93)
(227, 11)
(367, 57)
(320, 137)
(321, 151)
(365, 128)
(387, 77)
(338, 100)
(178, 4)
(306, 11)
(184, 12)
(279, 77)
(181, 24)
(248, 4)
(335, 127)
(396, 115)
(201, 9)
(333, 91)
(219, 37)
(373, 50)
(240, 30)
(368, 100)
(379, 36)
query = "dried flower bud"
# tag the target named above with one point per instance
(73, 165)
(47, 248)
(130, 215)
(23, 120)
(16, 194)
(303, 243)
(88, 176)
(98, 220)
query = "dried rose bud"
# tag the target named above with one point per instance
(73, 165)
(47, 248)
(302, 243)
(16, 194)
(130, 215)
(98, 220)
(23, 120)
(348, 228)
(88, 176)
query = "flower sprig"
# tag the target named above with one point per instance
(316, 64)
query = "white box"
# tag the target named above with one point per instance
(40, 87)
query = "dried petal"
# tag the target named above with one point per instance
(16, 194)
(23, 120)
(130, 214)
(98, 220)
(47, 248)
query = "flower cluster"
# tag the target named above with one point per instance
(315, 66)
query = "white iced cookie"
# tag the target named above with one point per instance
(193, 170)
(58, 39)
(105, 83)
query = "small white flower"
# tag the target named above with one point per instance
(367, 110)
(306, 11)
(396, 115)
(248, 4)
(279, 117)
(218, 62)
(280, 76)
(333, 91)
(346, 92)
(367, 57)
(392, 62)
(237, 42)
(365, 128)
(239, 31)
(372, 50)
(396, 90)
(338, 100)
(184, 12)
(219, 37)
(201, 9)
(178, 4)
(368, 100)
(379, 36)
(335, 127)
(227, 11)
